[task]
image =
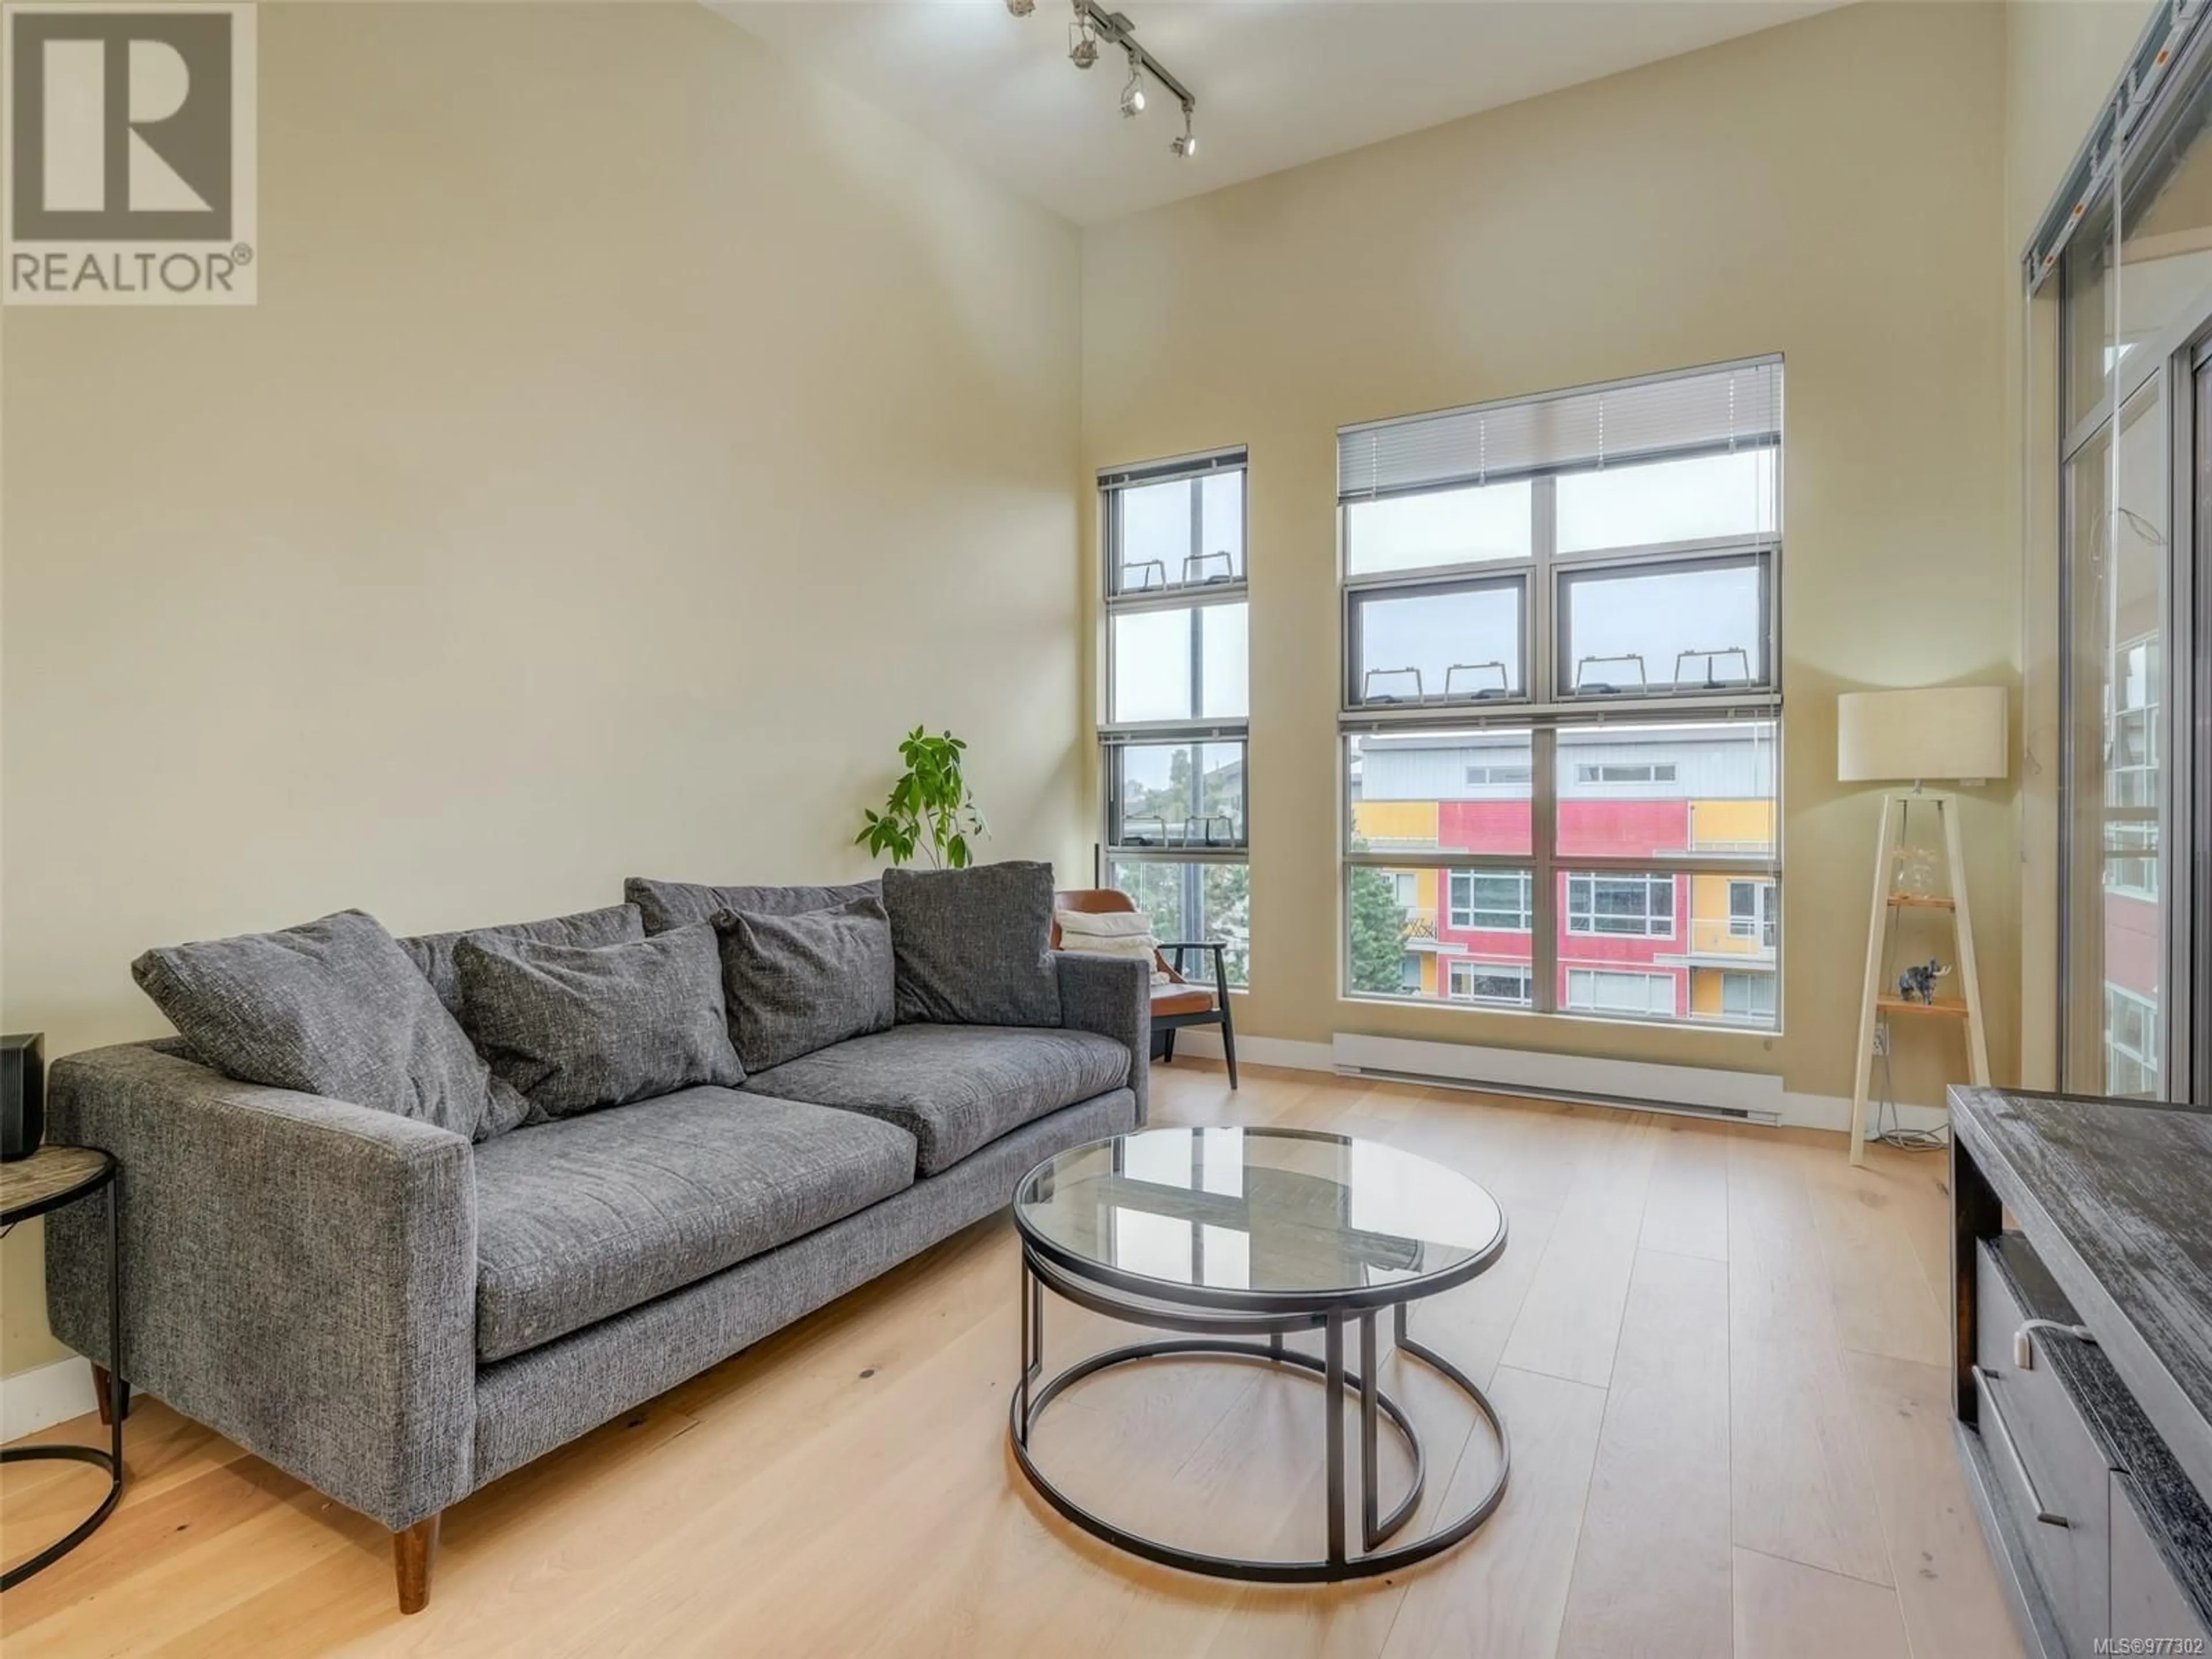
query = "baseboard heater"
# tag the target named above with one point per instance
(1578, 1079)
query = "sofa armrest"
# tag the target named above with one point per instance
(298, 1273)
(1112, 996)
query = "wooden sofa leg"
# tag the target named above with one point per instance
(412, 1552)
(112, 1394)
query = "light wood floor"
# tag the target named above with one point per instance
(1719, 1352)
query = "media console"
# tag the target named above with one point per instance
(2082, 1287)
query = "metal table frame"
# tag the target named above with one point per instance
(109, 1457)
(1225, 1324)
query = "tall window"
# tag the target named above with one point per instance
(1174, 741)
(1561, 703)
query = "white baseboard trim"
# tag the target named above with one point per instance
(1745, 1096)
(1834, 1112)
(1792, 1110)
(38, 1399)
(1259, 1050)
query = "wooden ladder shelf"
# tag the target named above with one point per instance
(1879, 1000)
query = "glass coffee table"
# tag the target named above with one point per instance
(1238, 1238)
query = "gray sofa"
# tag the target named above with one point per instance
(397, 1315)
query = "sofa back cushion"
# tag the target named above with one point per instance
(798, 983)
(573, 1027)
(667, 904)
(971, 946)
(332, 1007)
(433, 953)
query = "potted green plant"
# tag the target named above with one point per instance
(931, 808)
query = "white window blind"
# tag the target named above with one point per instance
(1734, 407)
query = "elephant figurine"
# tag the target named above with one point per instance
(1918, 983)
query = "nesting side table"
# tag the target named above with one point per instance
(50, 1178)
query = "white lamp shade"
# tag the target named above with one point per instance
(1953, 732)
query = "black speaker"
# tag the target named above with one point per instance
(23, 1094)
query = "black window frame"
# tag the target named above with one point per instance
(1708, 690)
(1191, 850)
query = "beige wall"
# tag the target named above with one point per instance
(632, 439)
(1833, 191)
(2063, 59)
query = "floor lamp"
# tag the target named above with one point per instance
(1954, 732)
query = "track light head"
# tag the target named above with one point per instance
(1092, 30)
(1021, 8)
(1132, 95)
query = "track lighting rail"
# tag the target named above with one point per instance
(1092, 32)
(1113, 28)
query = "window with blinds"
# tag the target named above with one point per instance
(1561, 675)
(1724, 410)
(1173, 743)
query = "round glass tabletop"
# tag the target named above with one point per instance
(1256, 1217)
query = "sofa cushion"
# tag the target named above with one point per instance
(581, 1219)
(574, 1027)
(798, 983)
(433, 953)
(331, 1008)
(667, 904)
(973, 946)
(953, 1088)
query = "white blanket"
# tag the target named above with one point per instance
(1110, 933)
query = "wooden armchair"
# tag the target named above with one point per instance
(1180, 1002)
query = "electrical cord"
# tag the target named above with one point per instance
(1888, 1131)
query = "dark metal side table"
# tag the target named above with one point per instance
(50, 1178)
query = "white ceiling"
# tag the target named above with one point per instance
(1278, 81)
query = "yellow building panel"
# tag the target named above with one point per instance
(1407, 823)
(1705, 991)
(1709, 898)
(1741, 826)
(1709, 920)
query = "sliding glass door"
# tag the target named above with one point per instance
(2116, 819)
(2192, 952)
(2137, 317)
